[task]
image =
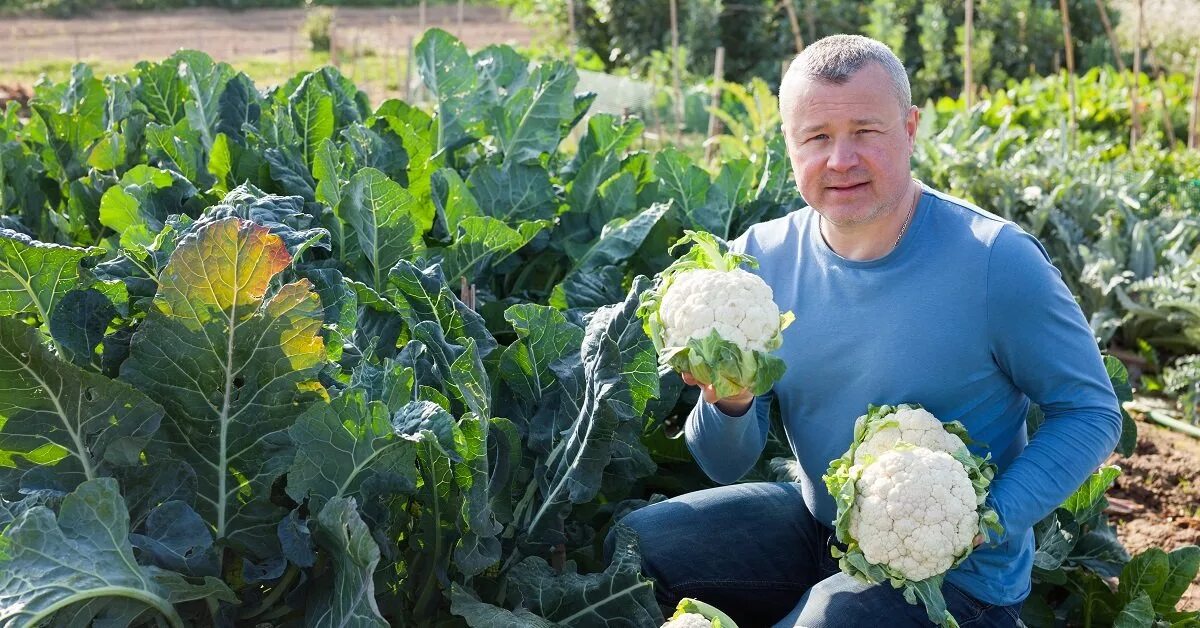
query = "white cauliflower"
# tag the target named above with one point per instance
(688, 620)
(692, 613)
(915, 512)
(910, 498)
(915, 426)
(710, 318)
(737, 305)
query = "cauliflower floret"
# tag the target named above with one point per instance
(739, 305)
(916, 427)
(914, 511)
(689, 620)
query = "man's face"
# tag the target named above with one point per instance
(850, 145)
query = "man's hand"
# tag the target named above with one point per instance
(978, 541)
(735, 405)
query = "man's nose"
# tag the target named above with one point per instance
(843, 157)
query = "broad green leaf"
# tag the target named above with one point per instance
(434, 433)
(428, 298)
(350, 104)
(79, 564)
(499, 68)
(73, 115)
(685, 183)
(205, 83)
(177, 539)
(346, 448)
(514, 193)
(544, 337)
(477, 547)
(350, 600)
(1146, 574)
(449, 75)
(477, 614)
(284, 216)
(471, 381)
(312, 113)
(618, 596)
(528, 123)
(620, 241)
(1138, 613)
(1119, 376)
(107, 154)
(55, 414)
(289, 170)
(732, 188)
(1183, 563)
(452, 198)
(483, 241)
(35, 275)
(138, 206)
(79, 325)
(238, 107)
(161, 92)
(1088, 500)
(598, 406)
(381, 213)
(178, 148)
(606, 135)
(248, 372)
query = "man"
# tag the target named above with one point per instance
(901, 294)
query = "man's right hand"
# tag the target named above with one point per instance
(734, 405)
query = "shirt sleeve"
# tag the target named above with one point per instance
(726, 447)
(1041, 340)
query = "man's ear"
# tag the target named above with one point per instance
(911, 123)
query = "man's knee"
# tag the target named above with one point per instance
(635, 521)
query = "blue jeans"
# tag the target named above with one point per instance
(755, 552)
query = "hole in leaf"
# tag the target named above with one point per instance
(90, 395)
(238, 382)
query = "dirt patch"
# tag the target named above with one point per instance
(231, 35)
(1156, 501)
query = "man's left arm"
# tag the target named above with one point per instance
(1040, 338)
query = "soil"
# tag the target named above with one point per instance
(1156, 500)
(230, 35)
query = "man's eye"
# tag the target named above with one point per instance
(818, 137)
(866, 131)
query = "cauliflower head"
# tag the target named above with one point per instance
(912, 425)
(738, 305)
(688, 620)
(692, 613)
(709, 317)
(911, 498)
(914, 511)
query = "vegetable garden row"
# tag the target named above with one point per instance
(281, 358)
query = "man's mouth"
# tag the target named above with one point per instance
(846, 187)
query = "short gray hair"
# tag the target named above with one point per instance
(836, 58)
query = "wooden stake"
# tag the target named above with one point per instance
(1166, 111)
(460, 18)
(1070, 50)
(1112, 37)
(968, 74)
(571, 24)
(1194, 120)
(676, 62)
(714, 123)
(810, 18)
(421, 17)
(1135, 126)
(333, 51)
(794, 22)
(408, 63)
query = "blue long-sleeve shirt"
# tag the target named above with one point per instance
(968, 317)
